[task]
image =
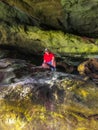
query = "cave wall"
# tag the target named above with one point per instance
(32, 26)
(79, 17)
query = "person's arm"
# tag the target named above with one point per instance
(53, 58)
(53, 61)
(44, 61)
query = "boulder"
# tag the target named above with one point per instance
(89, 68)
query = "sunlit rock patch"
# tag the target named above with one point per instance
(89, 68)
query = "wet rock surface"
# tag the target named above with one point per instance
(34, 98)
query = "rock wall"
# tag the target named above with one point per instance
(73, 16)
(19, 30)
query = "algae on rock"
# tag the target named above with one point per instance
(71, 101)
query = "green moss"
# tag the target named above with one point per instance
(26, 112)
(35, 39)
(58, 41)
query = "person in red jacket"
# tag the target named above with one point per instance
(49, 60)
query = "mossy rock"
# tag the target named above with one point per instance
(70, 100)
(89, 68)
(23, 32)
(34, 40)
(71, 16)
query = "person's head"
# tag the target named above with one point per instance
(46, 50)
